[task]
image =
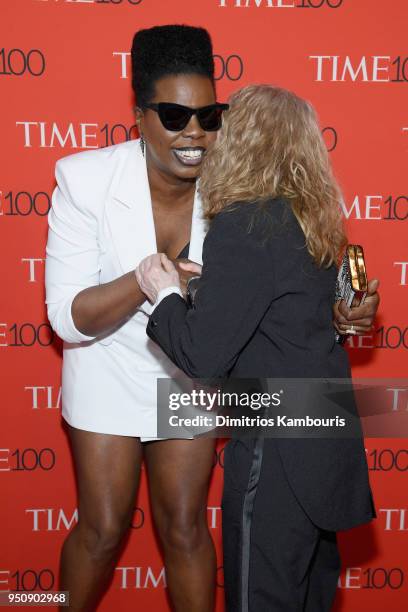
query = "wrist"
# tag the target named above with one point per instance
(163, 293)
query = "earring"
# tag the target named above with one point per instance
(142, 144)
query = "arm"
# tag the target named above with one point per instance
(100, 309)
(235, 291)
(79, 309)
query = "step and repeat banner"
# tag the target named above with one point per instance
(65, 87)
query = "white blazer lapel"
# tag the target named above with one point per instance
(130, 215)
(129, 212)
(199, 228)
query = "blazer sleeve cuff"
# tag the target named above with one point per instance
(60, 317)
(74, 331)
(163, 293)
(160, 319)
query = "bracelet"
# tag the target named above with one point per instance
(191, 289)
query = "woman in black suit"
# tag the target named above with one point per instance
(263, 308)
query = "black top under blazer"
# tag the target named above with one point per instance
(264, 309)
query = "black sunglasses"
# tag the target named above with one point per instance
(175, 117)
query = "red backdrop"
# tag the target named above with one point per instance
(64, 78)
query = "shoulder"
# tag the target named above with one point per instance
(260, 221)
(88, 177)
(265, 231)
(95, 160)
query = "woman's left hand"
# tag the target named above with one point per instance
(358, 320)
(155, 273)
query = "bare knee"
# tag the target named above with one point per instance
(183, 533)
(102, 539)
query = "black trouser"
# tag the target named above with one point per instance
(275, 558)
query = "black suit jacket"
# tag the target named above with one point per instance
(264, 309)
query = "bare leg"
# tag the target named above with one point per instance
(108, 471)
(179, 475)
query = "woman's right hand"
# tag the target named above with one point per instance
(186, 269)
(154, 273)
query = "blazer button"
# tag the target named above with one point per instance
(153, 322)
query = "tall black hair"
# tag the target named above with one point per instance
(168, 50)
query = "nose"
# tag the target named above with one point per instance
(193, 129)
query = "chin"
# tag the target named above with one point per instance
(188, 173)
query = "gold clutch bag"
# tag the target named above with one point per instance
(351, 284)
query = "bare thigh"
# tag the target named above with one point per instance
(108, 472)
(179, 476)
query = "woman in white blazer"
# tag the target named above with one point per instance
(112, 207)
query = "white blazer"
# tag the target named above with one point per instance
(100, 227)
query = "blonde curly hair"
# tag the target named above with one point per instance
(270, 146)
